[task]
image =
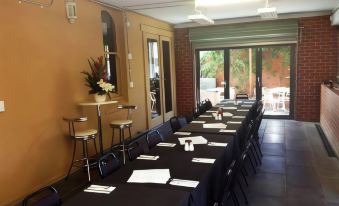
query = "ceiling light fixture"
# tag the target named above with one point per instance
(208, 3)
(201, 19)
(268, 12)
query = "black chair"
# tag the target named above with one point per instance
(257, 124)
(49, 196)
(178, 123)
(108, 164)
(165, 130)
(134, 150)
(153, 138)
(241, 96)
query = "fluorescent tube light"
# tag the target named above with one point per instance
(207, 3)
(200, 19)
(268, 13)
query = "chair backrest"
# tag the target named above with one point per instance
(153, 138)
(241, 96)
(257, 123)
(71, 122)
(243, 134)
(134, 150)
(178, 123)
(48, 196)
(129, 109)
(108, 164)
(165, 130)
(226, 184)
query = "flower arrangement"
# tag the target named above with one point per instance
(96, 80)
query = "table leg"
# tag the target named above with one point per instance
(101, 149)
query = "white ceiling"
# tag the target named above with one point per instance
(176, 11)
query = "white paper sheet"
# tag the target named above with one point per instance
(248, 102)
(195, 140)
(203, 160)
(229, 108)
(215, 126)
(164, 144)
(182, 133)
(159, 176)
(209, 111)
(198, 122)
(227, 114)
(233, 122)
(184, 183)
(227, 130)
(217, 144)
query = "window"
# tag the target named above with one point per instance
(110, 48)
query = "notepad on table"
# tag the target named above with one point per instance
(198, 122)
(229, 108)
(217, 144)
(227, 131)
(238, 117)
(100, 189)
(184, 183)
(195, 140)
(159, 176)
(147, 157)
(243, 110)
(233, 122)
(182, 133)
(227, 114)
(246, 105)
(164, 144)
(203, 160)
(215, 126)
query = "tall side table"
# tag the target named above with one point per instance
(98, 105)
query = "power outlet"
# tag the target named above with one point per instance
(2, 106)
(131, 84)
(130, 57)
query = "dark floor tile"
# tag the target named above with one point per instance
(273, 149)
(275, 123)
(274, 130)
(330, 187)
(294, 191)
(298, 146)
(260, 200)
(274, 164)
(297, 176)
(299, 158)
(270, 184)
(274, 138)
(305, 201)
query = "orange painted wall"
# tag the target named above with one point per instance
(41, 57)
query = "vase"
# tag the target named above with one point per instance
(99, 98)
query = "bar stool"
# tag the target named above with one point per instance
(84, 136)
(122, 125)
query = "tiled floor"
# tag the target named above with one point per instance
(296, 170)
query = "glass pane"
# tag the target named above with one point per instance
(153, 61)
(243, 72)
(212, 75)
(108, 34)
(276, 80)
(167, 75)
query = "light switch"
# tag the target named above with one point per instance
(2, 106)
(130, 57)
(131, 84)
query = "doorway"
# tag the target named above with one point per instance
(262, 72)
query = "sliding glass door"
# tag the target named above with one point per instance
(263, 73)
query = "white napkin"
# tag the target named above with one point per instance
(184, 183)
(147, 157)
(205, 116)
(215, 126)
(227, 130)
(99, 189)
(243, 110)
(182, 133)
(203, 160)
(164, 144)
(248, 102)
(217, 144)
(210, 111)
(198, 122)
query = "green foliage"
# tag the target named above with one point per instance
(274, 53)
(211, 62)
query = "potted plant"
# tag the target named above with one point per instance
(96, 80)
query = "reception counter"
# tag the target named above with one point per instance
(329, 115)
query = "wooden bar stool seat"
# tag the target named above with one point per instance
(122, 125)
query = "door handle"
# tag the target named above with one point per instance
(258, 81)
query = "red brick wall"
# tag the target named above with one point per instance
(184, 72)
(317, 60)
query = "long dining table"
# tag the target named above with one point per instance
(180, 165)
